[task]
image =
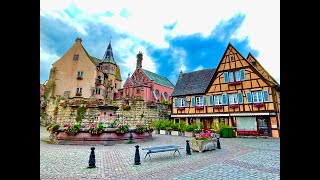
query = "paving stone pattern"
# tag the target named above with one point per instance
(239, 158)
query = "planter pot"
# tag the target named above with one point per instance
(168, 132)
(201, 145)
(175, 133)
(163, 132)
(181, 133)
(188, 134)
(156, 131)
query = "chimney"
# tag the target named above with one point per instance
(139, 60)
(79, 39)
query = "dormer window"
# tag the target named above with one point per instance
(76, 57)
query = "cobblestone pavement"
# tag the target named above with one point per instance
(238, 158)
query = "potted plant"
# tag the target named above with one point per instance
(175, 129)
(198, 128)
(189, 130)
(163, 127)
(140, 128)
(72, 129)
(96, 129)
(182, 127)
(122, 128)
(202, 142)
(156, 126)
(53, 127)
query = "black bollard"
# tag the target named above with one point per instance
(92, 160)
(188, 148)
(137, 156)
(218, 144)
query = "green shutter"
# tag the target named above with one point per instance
(225, 77)
(240, 98)
(265, 95)
(204, 100)
(211, 100)
(249, 97)
(224, 99)
(231, 77)
(186, 102)
(193, 102)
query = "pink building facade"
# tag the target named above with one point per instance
(146, 85)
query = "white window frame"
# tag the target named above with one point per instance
(217, 100)
(233, 98)
(79, 90)
(199, 100)
(256, 98)
(80, 74)
(182, 102)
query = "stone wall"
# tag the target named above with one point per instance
(150, 113)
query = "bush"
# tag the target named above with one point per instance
(182, 126)
(175, 127)
(217, 127)
(189, 128)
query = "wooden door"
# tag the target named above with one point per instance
(207, 123)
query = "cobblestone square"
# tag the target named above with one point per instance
(239, 158)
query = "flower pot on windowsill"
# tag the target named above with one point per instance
(79, 78)
(235, 82)
(78, 94)
(180, 108)
(258, 104)
(233, 105)
(199, 107)
(217, 106)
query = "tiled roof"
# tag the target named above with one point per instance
(193, 82)
(158, 79)
(108, 56)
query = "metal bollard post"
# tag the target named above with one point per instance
(218, 144)
(137, 156)
(188, 148)
(92, 160)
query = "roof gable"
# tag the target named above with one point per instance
(158, 79)
(251, 59)
(195, 82)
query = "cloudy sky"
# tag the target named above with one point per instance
(173, 35)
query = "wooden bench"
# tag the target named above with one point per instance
(162, 149)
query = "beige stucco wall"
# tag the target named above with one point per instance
(67, 69)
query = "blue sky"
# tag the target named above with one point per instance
(173, 36)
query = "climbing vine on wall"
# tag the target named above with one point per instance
(81, 111)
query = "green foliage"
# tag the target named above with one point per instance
(189, 128)
(81, 111)
(164, 102)
(217, 127)
(175, 127)
(182, 126)
(156, 124)
(53, 127)
(126, 108)
(166, 124)
(73, 129)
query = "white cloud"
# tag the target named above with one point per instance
(147, 18)
(198, 68)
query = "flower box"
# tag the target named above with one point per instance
(201, 145)
(188, 134)
(233, 105)
(235, 82)
(163, 132)
(217, 106)
(78, 94)
(258, 104)
(175, 133)
(180, 108)
(199, 107)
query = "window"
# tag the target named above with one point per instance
(79, 90)
(218, 100)
(76, 57)
(224, 120)
(233, 99)
(199, 101)
(237, 73)
(165, 95)
(211, 100)
(98, 91)
(249, 97)
(225, 77)
(115, 85)
(180, 102)
(231, 58)
(111, 68)
(80, 74)
(176, 120)
(257, 96)
(138, 91)
(106, 68)
(157, 93)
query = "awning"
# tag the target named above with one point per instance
(198, 115)
(249, 114)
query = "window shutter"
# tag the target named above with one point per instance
(231, 78)
(226, 77)
(204, 100)
(240, 98)
(238, 76)
(242, 75)
(175, 102)
(249, 97)
(211, 100)
(186, 102)
(265, 95)
(224, 99)
(193, 103)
